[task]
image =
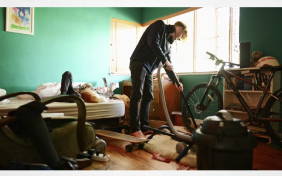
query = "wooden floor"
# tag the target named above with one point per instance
(265, 158)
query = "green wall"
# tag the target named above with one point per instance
(73, 39)
(263, 28)
(152, 13)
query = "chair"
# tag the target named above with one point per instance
(69, 139)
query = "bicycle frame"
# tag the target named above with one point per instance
(226, 74)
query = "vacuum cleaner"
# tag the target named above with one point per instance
(223, 142)
(186, 141)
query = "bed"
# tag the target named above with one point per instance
(110, 109)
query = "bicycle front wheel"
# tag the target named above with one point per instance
(211, 105)
(272, 110)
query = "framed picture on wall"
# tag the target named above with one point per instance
(20, 20)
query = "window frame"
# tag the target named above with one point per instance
(139, 32)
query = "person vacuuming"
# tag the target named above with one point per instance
(153, 49)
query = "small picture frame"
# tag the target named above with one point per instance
(20, 20)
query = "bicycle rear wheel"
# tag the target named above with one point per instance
(272, 110)
(194, 98)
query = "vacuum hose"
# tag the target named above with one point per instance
(183, 137)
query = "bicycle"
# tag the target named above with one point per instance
(205, 100)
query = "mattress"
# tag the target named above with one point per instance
(110, 109)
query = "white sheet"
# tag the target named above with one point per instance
(111, 109)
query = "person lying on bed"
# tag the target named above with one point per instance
(86, 91)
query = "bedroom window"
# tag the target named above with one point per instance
(124, 37)
(213, 29)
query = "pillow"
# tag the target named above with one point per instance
(47, 86)
(47, 90)
(2, 92)
(44, 90)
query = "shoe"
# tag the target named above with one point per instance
(148, 132)
(138, 134)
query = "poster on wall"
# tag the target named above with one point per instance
(20, 20)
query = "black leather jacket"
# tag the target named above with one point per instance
(153, 47)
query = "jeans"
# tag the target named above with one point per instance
(66, 85)
(142, 87)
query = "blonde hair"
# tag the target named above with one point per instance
(185, 30)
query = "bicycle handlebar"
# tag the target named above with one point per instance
(264, 67)
(219, 61)
(232, 64)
